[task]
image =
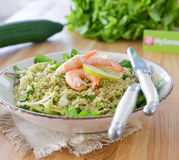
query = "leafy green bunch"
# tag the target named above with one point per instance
(110, 20)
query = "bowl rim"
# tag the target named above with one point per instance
(12, 107)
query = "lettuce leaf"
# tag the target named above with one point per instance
(109, 20)
(41, 58)
(67, 56)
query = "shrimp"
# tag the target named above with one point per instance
(77, 61)
(74, 79)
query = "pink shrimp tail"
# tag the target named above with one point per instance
(75, 62)
(89, 54)
(95, 82)
(118, 68)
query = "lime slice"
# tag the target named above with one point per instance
(101, 71)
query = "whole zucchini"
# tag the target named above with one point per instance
(27, 31)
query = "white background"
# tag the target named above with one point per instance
(9, 7)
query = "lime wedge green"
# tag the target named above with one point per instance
(101, 71)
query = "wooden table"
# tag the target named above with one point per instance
(159, 138)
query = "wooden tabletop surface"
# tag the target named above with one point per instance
(159, 138)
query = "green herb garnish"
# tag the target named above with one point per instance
(74, 52)
(83, 113)
(92, 97)
(41, 58)
(15, 68)
(124, 76)
(71, 111)
(30, 89)
(141, 101)
(125, 63)
(67, 56)
(61, 75)
(95, 113)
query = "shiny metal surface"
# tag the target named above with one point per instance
(123, 110)
(147, 86)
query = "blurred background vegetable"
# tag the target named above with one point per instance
(27, 31)
(110, 20)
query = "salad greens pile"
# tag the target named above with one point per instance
(73, 111)
(110, 20)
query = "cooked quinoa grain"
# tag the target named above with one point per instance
(39, 89)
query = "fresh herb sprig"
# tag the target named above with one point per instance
(77, 112)
(16, 68)
(39, 58)
(125, 63)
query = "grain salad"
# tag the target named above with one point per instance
(40, 89)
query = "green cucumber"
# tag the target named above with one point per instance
(27, 31)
